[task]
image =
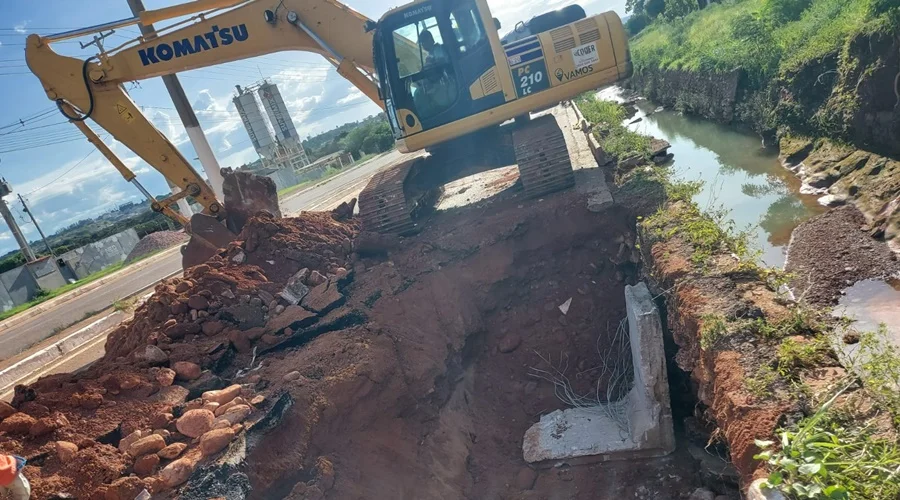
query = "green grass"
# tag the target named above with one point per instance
(747, 34)
(714, 327)
(615, 139)
(823, 457)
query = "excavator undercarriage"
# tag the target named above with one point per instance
(397, 195)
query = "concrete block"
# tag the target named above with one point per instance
(639, 425)
(20, 285)
(99, 255)
(650, 413)
(46, 273)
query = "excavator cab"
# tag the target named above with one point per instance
(427, 55)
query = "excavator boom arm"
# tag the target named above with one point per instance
(250, 29)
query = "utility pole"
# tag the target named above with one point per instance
(27, 252)
(188, 118)
(28, 211)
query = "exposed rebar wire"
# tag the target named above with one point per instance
(614, 378)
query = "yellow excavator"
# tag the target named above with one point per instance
(438, 68)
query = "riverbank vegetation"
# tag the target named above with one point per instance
(837, 405)
(763, 37)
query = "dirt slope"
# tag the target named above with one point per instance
(407, 365)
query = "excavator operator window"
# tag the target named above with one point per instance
(467, 28)
(424, 67)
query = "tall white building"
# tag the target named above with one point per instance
(283, 149)
(255, 123)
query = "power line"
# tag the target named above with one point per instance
(22, 131)
(40, 146)
(63, 174)
(28, 118)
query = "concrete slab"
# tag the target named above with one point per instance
(639, 425)
(590, 180)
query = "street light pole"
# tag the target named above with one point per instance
(41, 232)
(188, 118)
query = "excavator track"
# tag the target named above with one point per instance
(382, 204)
(543, 158)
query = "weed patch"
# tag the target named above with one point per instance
(615, 139)
(821, 458)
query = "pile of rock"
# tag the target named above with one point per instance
(159, 401)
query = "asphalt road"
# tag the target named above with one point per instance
(321, 197)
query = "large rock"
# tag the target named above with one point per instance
(222, 396)
(323, 298)
(165, 377)
(195, 423)
(198, 302)
(293, 316)
(215, 441)
(90, 401)
(246, 195)
(130, 439)
(227, 406)
(246, 316)
(172, 451)
(171, 395)
(212, 328)
(177, 472)
(153, 355)
(17, 423)
(185, 370)
(161, 420)
(180, 330)
(65, 451)
(6, 409)
(146, 445)
(47, 425)
(146, 465)
(236, 414)
(240, 341)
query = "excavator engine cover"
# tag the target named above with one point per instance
(246, 195)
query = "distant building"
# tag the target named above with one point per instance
(283, 150)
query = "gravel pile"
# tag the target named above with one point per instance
(156, 242)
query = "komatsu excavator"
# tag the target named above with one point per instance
(437, 68)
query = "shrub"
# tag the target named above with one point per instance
(782, 11)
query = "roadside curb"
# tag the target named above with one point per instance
(326, 181)
(11, 376)
(40, 360)
(62, 299)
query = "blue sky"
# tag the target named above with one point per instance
(50, 163)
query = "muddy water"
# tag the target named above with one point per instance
(739, 175)
(873, 303)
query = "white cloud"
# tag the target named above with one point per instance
(354, 95)
(171, 128)
(239, 158)
(6, 235)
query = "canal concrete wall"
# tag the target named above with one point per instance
(711, 95)
(99, 255)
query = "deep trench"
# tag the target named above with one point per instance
(463, 438)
